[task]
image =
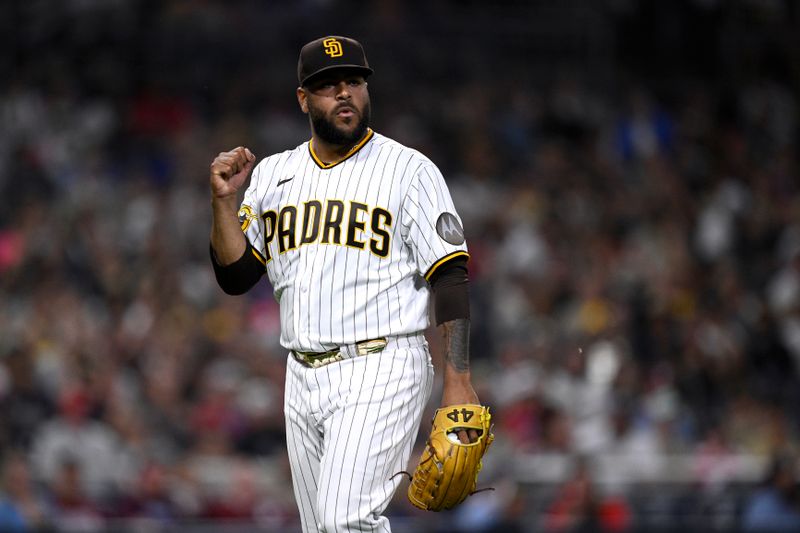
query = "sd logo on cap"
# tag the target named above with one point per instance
(331, 52)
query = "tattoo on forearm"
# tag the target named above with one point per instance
(456, 343)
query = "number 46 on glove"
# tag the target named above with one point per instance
(448, 470)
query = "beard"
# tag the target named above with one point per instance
(328, 131)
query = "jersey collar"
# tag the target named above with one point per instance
(348, 155)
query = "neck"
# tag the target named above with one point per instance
(330, 153)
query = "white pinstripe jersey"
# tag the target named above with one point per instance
(348, 246)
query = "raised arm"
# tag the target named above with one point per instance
(229, 170)
(236, 269)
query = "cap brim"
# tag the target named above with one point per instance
(366, 71)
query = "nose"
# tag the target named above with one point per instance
(342, 91)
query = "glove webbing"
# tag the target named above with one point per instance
(411, 478)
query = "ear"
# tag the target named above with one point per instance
(302, 99)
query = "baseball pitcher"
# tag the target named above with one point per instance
(355, 233)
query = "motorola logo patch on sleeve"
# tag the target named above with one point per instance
(449, 228)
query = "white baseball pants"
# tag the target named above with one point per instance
(351, 425)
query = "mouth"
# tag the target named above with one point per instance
(345, 112)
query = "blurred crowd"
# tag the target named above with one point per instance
(634, 236)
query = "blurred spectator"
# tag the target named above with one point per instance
(73, 509)
(22, 506)
(150, 500)
(497, 510)
(586, 402)
(263, 432)
(25, 407)
(644, 131)
(73, 448)
(776, 505)
(578, 506)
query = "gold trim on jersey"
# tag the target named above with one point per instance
(442, 261)
(258, 256)
(348, 155)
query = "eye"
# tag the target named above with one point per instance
(324, 88)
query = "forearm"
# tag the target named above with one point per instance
(456, 348)
(227, 239)
(457, 378)
(451, 306)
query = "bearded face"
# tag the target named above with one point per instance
(330, 127)
(338, 107)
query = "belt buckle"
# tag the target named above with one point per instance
(371, 346)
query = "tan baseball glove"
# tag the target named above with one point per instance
(448, 470)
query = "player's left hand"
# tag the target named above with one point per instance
(460, 391)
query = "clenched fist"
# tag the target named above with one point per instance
(229, 170)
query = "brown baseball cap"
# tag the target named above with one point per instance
(328, 53)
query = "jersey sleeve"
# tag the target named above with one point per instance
(249, 216)
(430, 226)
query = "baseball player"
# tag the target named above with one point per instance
(355, 232)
